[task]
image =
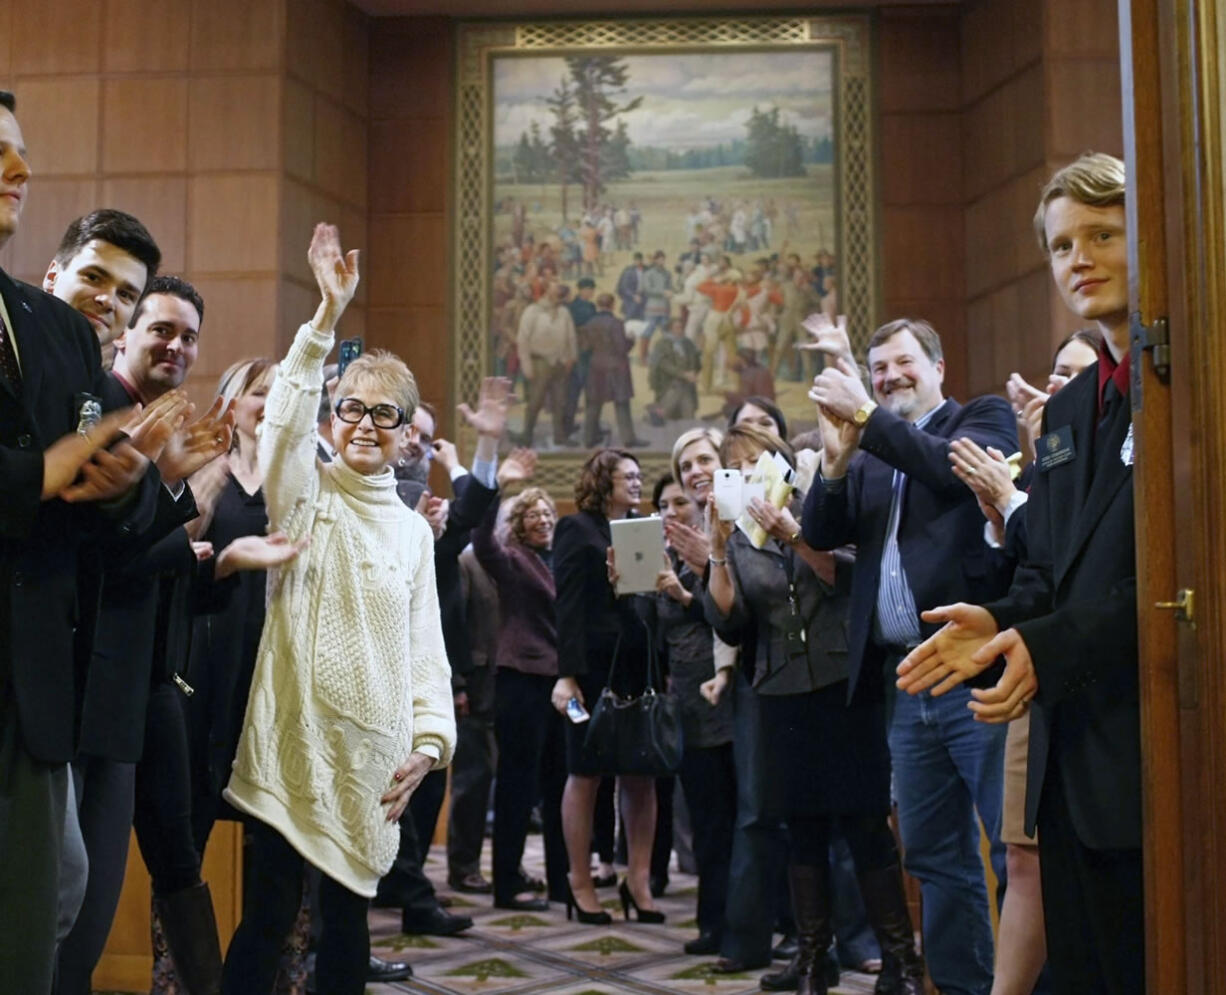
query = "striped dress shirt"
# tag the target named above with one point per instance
(896, 621)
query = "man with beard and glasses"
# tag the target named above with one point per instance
(886, 485)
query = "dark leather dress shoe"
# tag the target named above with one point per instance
(471, 884)
(731, 965)
(522, 904)
(436, 922)
(388, 970)
(705, 945)
(785, 949)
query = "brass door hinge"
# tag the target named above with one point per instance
(1154, 339)
(1184, 606)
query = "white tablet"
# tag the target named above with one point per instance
(638, 545)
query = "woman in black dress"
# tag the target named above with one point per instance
(592, 626)
(229, 606)
(827, 757)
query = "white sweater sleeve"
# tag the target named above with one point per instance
(287, 439)
(434, 731)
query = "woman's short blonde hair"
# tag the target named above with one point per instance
(1095, 179)
(524, 503)
(688, 438)
(384, 372)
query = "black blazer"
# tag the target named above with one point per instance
(940, 534)
(468, 506)
(590, 618)
(40, 540)
(1074, 603)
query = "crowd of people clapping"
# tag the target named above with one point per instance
(264, 613)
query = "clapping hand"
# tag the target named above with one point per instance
(840, 439)
(691, 544)
(989, 476)
(667, 582)
(150, 428)
(198, 444)
(1028, 403)
(839, 390)
(829, 338)
(951, 654)
(256, 552)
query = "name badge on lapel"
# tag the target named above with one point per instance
(1126, 448)
(1056, 448)
(89, 412)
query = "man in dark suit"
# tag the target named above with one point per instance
(886, 485)
(57, 491)
(1068, 627)
(101, 269)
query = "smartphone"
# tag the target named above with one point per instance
(350, 350)
(727, 486)
(576, 712)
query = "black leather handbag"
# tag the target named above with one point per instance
(639, 735)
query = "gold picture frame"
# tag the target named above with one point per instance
(484, 45)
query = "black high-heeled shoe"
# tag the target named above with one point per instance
(640, 915)
(601, 918)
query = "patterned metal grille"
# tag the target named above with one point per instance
(479, 42)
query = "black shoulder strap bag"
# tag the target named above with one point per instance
(636, 735)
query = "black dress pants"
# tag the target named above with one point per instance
(708, 778)
(1092, 905)
(163, 810)
(472, 774)
(104, 806)
(275, 879)
(531, 766)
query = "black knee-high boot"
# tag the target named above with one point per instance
(902, 968)
(191, 934)
(809, 885)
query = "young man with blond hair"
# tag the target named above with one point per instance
(1068, 627)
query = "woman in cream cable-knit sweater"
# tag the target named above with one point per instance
(351, 702)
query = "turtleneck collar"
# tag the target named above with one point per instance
(375, 488)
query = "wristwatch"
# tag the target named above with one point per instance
(863, 413)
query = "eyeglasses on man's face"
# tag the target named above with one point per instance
(350, 409)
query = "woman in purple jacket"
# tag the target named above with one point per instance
(526, 727)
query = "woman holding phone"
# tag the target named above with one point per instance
(826, 758)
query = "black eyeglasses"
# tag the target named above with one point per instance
(350, 409)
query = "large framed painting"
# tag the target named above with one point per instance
(645, 212)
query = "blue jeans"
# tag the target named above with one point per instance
(759, 843)
(947, 766)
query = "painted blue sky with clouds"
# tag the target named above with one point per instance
(689, 100)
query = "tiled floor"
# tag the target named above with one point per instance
(542, 952)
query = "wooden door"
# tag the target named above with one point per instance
(1175, 117)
